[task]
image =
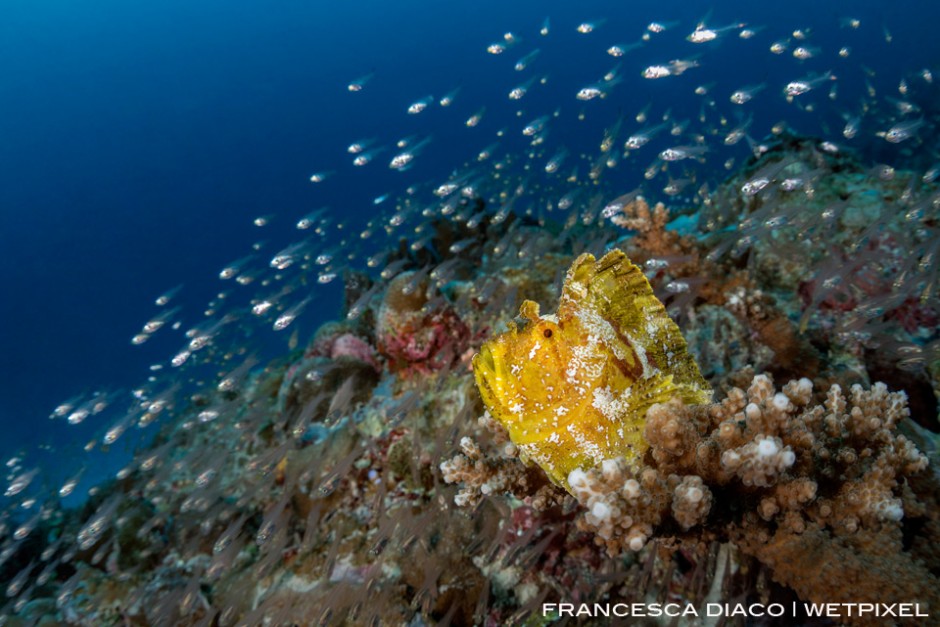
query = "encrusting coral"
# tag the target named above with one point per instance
(415, 333)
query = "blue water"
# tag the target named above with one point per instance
(140, 140)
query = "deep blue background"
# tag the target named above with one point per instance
(139, 140)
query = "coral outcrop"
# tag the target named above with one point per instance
(763, 468)
(415, 332)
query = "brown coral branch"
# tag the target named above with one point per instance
(823, 571)
(481, 475)
(652, 238)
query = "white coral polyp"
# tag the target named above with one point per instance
(752, 411)
(631, 489)
(637, 542)
(601, 511)
(889, 509)
(577, 480)
(759, 462)
(780, 401)
(767, 448)
(893, 511)
(610, 470)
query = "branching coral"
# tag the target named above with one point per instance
(650, 225)
(482, 475)
(757, 310)
(763, 468)
(837, 464)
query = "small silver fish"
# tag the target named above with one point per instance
(678, 153)
(589, 26)
(746, 94)
(703, 34)
(902, 131)
(524, 62)
(643, 136)
(420, 105)
(448, 98)
(359, 84)
(800, 87)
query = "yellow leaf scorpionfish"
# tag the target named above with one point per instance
(573, 388)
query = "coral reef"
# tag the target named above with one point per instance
(361, 478)
(849, 251)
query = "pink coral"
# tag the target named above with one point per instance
(334, 340)
(348, 345)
